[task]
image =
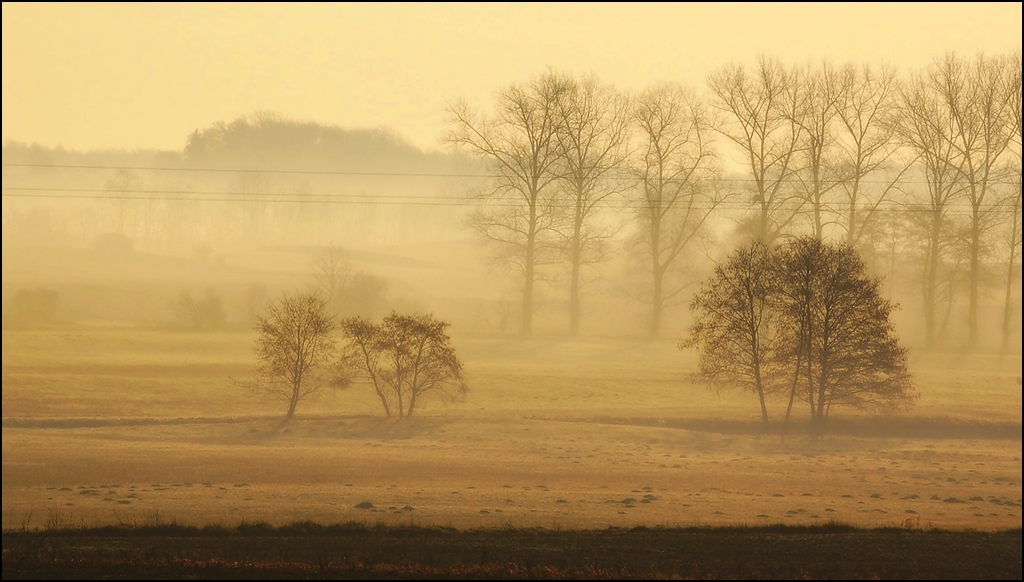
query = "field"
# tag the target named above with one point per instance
(593, 457)
(132, 427)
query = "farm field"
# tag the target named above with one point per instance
(109, 426)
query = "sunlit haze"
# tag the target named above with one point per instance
(96, 76)
(485, 272)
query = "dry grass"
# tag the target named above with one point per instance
(116, 426)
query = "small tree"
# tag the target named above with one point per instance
(31, 306)
(345, 290)
(295, 348)
(404, 357)
(204, 313)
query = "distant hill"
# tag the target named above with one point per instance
(267, 140)
(317, 184)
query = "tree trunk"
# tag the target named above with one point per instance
(930, 283)
(757, 370)
(656, 304)
(972, 311)
(656, 272)
(1008, 295)
(574, 283)
(526, 326)
(293, 403)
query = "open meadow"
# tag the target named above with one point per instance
(591, 457)
(108, 426)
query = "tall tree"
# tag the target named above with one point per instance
(521, 143)
(867, 111)
(926, 127)
(124, 190)
(592, 145)
(332, 272)
(978, 102)
(817, 92)
(675, 165)
(760, 111)
(1014, 197)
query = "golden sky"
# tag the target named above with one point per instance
(132, 76)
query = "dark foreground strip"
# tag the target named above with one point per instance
(355, 551)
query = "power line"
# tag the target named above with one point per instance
(26, 192)
(625, 173)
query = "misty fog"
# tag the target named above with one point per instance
(136, 282)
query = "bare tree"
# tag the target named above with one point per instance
(255, 298)
(295, 348)
(761, 109)
(1013, 264)
(1014, 175)
(926, 127)
(817, 92)
(206, 313)
(123, 190)
(252, 190)
(978, 102)
(867, 111)
(332, 272)
(347, 291)
(675, 167)
(405, 357)
(735, 327)
(521, 142)
(592, 145)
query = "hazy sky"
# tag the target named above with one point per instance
(145, 75)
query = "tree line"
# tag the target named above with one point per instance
(825, 151)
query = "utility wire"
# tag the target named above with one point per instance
(624, 174)
(25, 192)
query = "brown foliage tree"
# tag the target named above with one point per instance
(805, 311)
(846, 352)
(736, 329)
(404, 357)
(295, 348)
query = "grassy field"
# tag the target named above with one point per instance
(113, 426)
